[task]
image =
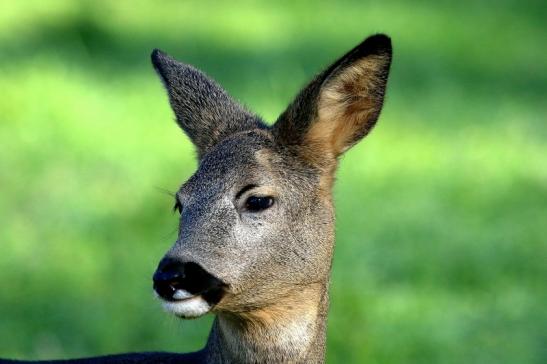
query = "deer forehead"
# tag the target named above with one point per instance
(249, 158)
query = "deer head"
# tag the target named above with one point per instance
(256, 232)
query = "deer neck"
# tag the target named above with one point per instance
(291, 331)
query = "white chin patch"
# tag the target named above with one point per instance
(187, 305)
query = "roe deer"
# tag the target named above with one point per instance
(256, 232)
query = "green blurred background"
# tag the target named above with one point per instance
(441, 213)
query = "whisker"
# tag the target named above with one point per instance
(165, 191)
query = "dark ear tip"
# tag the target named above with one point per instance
(377, 44)
(157, 56)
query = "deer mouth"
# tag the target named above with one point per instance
(189, 305)
(186, 289)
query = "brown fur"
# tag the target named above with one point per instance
(347, 107)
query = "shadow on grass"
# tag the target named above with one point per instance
(85, 43)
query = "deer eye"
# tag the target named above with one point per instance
(177, 207)
(256, 203)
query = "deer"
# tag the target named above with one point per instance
(256, 232)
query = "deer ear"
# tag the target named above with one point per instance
(342, 104)
(204, 110)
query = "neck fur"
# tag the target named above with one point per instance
(293, 330)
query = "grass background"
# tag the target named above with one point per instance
(442, 212)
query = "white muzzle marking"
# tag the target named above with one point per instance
(186, 305)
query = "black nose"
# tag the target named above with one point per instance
(168, 278)
(173, 275)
